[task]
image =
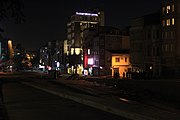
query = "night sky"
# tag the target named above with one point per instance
(46, 19)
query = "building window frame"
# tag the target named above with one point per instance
(117, 59)
(173, 8)
(125, 59)
(168, 22)
(172, 21)
(163, 23)
(168, 8)
(163, 10)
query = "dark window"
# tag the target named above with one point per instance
(117, 59)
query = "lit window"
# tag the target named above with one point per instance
(117, 59)
(172, 21)
(72, 51)
(77, 51)
(168, 22)
(168, 8)
(172, 8)
(89, 52)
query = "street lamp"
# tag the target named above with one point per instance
(11, 52)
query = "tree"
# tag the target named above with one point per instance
(35, 61)
(12, 9)
(18, 62)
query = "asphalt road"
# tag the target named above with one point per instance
(23, 102)
(26, 103)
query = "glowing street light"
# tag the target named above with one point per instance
(10, 47)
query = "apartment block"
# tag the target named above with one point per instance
(145, 44)
(78, 22)
(170, 42)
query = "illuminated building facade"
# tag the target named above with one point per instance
(52, 56)
(120, 62)
(59, 55)
(145, 44)
(97, 44)
(170, 19)
(78, 22)
(43, 58)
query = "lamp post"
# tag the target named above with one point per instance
(10, 48)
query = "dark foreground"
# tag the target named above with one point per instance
(30, 96)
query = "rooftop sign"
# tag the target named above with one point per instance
(86, 14)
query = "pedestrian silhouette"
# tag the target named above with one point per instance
(123, 74)
(1, 91)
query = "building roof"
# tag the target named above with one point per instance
(149, 19)
(120, 51)
(109, 30)
(153, 18)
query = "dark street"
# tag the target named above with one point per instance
(32, 96)
(26, 103)
(90, 60)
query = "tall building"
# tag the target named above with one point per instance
(52, 54)
(59, 55)
(170, 50)
(78, 22)
(145, 42)
(43, 58)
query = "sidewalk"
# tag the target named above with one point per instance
(109, 103)
(1, 111)
(3, 114)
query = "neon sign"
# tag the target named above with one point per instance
(86, 14)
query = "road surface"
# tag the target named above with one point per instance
(27, 103)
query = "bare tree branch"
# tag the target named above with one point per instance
(12, 9)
